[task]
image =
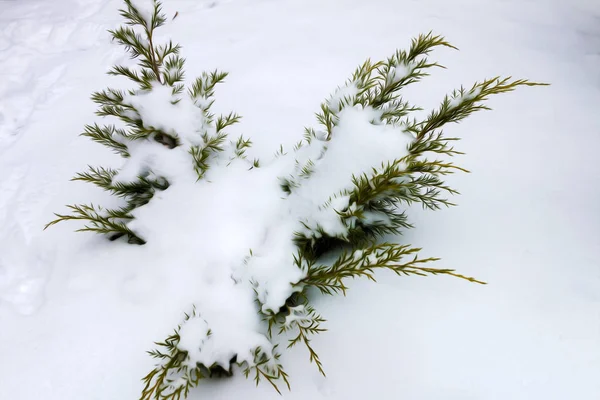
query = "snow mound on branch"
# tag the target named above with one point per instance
(232, 232)
(358, 144)
(183, 120)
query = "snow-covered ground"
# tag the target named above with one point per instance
(75, 323)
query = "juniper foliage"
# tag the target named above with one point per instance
(174, 377)
(417, 177)
(157, 65)
(385, 191)
(377, 199)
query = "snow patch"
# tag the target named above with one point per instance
(400, 72)
(175, 115)
(356, 146)
(341, 96)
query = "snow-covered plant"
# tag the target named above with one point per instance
(319, 212)
(348, 183)
(163, 128)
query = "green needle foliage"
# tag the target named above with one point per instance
(383, 192)
(414, 178)
(300, 317)
(174, 377)
(377, 199)
(157, 65)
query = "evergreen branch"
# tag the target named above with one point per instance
(158, 17)
(435, 142)
(378, 84)
(112, 103)
(110, 97)
(99, 176)
(435, 167)
(303, 317)
(363, 76)
(374, 219)
(267, 366)
(394, 111)
(329, 279)
(138, 192)
(404, 68)
(307, 170)
(394, 181)
(111, 223)
(104, 135)
(133, 42)
(395, 75)
(203, 86)
(424, 44)
(172, 378)
(315, 241)
(164, 51)
(141, 47)
(173, 70)
(328, 118)
(126, 72)
(462, 103)
(241, 145)
(227, 120)
(170, 381)
(140, 132)
(132, 16)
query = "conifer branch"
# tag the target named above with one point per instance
(241, 145)
(301, 316)
(201, 154)
(134, 43)
(329, 279)
(156, 65)
(137, 193)
(172, 377)
(119, 70)
(394, 183)
(267, 366)
(462, 103)
(404, 68)
(104, 221)
(105, 135)
(203, 86)
(227, 120)
(99, 176)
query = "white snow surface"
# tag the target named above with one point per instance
(349, 90)
(356, 146)
(401, 71)
(77, 313)
(183, 120)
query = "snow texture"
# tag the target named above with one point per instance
(336, 100)
(400, 72)
(183, 120)
(78, 313)
(356, 146)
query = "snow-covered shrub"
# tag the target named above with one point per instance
(166, 133)
(312, 217)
